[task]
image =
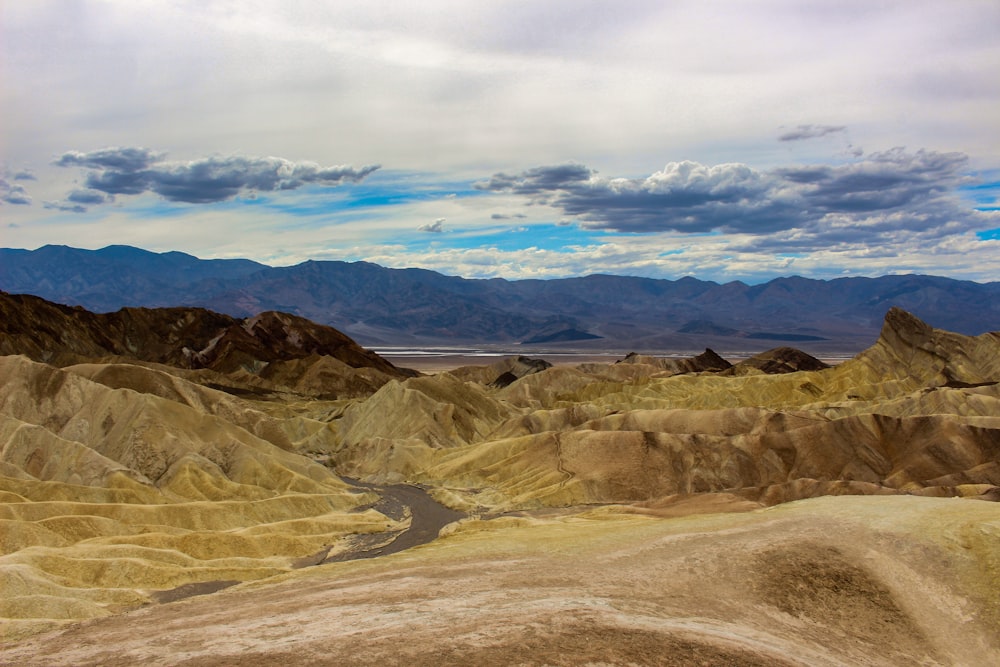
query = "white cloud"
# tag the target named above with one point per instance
(463, 90)
(446, 84)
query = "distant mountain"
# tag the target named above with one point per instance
(380, 306)
(564, 336)
(113, 277)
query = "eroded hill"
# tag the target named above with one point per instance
(132, 472)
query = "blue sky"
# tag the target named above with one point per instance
(721, 139)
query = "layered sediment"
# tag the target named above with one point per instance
(787, 508)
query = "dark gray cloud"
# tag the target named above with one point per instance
(126, 159)
(115, 182)
(891, 180)
(885, 192)
(12, 193)
(505, 216)
(25, 175)
(810, 132)
(88, 197)
(685, 196)
(539, 180)
(131, 171)
(65, 206)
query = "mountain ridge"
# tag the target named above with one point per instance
(382, 306)
(273, 349)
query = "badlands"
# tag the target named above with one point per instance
(179, 487)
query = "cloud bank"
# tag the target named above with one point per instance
(14, 193)
(132, 171)
(802, 206)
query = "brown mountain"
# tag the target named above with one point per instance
(185, 338)
(779, 360)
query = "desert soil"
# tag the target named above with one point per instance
(830, 581)
(659, 512)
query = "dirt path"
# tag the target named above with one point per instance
(427, 518)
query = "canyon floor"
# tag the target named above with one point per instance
(828, 581)
(170, 494)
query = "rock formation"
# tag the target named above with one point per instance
(146, 455)
(778, 360)
(917, 413)
(270, 345)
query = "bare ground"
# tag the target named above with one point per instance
(820, 582)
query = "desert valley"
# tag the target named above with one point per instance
(564, 333)
(179, 486)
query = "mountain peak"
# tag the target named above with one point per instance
(904, 325)
(943, 357)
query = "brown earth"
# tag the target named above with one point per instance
(194, 338)
(831, 581)
(653, 511)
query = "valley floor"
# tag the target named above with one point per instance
(431, 363)
(829, 581)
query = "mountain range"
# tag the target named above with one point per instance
(381, 306)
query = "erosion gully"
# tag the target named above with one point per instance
(427, 517)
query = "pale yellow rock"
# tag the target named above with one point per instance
(119, 481)
(829, 581)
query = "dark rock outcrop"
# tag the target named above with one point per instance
(515, 368)
(779, 360)
(187, 338)
(708, 360)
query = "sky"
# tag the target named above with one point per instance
(720, 139)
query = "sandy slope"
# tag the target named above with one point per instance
(110, 496)
(830, 581)
(124, 484)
